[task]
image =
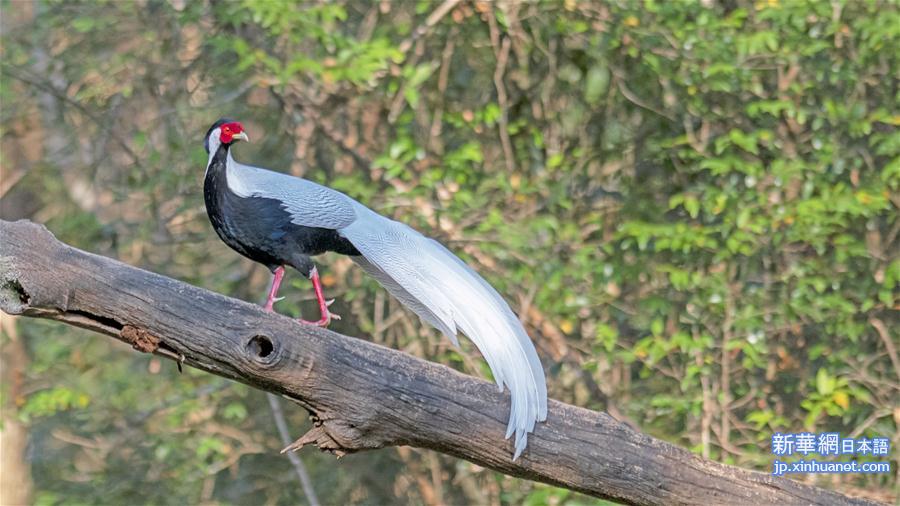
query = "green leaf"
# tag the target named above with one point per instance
(596, 84)
(824, 382)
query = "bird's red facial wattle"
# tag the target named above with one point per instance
(230, 132)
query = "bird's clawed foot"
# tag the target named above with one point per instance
(326, 318)
(327, 315)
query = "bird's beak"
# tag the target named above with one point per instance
(242, 136)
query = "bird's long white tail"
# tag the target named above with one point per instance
(445, 292)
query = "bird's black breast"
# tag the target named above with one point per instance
(260, 228)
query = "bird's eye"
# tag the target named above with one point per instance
(226, 130)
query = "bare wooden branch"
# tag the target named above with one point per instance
(364, 396)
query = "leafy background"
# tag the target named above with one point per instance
(692, 205)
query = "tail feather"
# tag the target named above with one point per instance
(446, 293)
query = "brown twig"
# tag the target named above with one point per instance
(501, 52)
(885, 336)
(432, 19)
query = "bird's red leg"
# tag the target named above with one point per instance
(276, 282)
(327, 315)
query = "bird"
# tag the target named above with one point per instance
(281, 220)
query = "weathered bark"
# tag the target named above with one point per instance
(362, 395)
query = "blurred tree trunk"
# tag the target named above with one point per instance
(21, 152)
(15, 471)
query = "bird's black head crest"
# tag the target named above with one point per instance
(214, 126)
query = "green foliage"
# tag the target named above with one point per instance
(52, 401)
(693, 204)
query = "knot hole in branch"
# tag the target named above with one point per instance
(261, 348)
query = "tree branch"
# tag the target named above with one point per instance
(364, 396)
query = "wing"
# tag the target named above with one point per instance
(435, 284)
(309, 204)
